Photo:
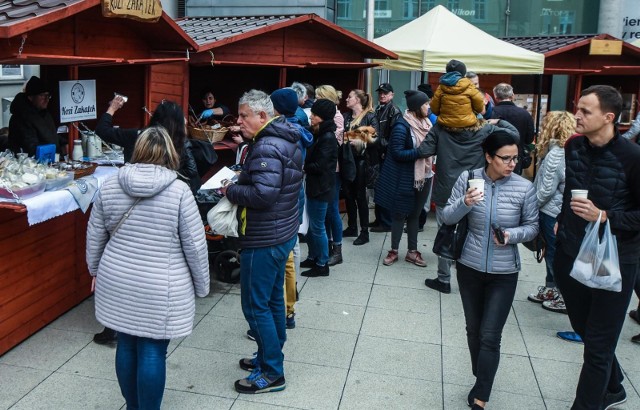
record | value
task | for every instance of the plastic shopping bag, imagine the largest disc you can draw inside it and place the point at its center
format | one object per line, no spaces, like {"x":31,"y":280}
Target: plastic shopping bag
{"x":304,"y":226}
{"x":222,"y":218}
{"x":597,"y":265}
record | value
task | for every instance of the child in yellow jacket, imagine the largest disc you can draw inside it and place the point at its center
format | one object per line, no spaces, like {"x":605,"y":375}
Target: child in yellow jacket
{"x":457,"y":101}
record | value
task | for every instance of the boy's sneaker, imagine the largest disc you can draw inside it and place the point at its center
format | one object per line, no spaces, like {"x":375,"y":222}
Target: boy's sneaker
{"x":249,"y":363}
{"x":555,"y":306}
{"x":291,"y":321}
{"x":251,"y":335}
{"x":544,"y":294}
{"x":572,"y":337}
{"x":612,"y":400}
{"x":257,"y":382}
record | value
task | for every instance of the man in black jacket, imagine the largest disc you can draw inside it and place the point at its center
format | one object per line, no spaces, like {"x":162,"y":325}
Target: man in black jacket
{"x":31,"y":124}
{"x":520,"y":118}
{"x":608,"y":166}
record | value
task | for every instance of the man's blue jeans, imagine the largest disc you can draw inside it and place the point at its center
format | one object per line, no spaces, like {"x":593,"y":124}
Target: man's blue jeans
{"x":317,"y":236}
{"x":141,"y":370}
{"x":262,"y":295}
{"x":333,"y":222}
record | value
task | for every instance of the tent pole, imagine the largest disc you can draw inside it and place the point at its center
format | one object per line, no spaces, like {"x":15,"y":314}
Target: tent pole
{"x":423,"y":75}
{"x":369,"y":34}
{"x":538,"y":112}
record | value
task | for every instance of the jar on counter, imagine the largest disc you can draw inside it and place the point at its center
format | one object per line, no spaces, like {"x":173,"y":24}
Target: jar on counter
{"x":77,"y":153}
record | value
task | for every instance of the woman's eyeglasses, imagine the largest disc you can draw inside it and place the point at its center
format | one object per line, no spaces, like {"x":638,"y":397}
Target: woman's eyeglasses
{"x":507,"y":159}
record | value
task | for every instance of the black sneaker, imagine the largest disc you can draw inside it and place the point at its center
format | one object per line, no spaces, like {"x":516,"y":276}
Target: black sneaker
{"x":381,"y":228}
{"x":106,"y":337}
{"x":612,"y":400}
{"x":291,"y":321}
{"x":308,"y":263}
{"x":251,"y":335}
{"x":362,"y":239}
{"x":257,"y":382}
{"x":350,"y":233}
{"x":249,"y":363}
{"x":438,"y":285}
{"x":316,"y":271}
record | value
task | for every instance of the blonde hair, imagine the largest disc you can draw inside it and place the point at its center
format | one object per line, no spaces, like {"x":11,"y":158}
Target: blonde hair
{"x":367,"y":107}
{"x":154,"y":146}
{"x":329,"y":93}
{"x":558,"y":125}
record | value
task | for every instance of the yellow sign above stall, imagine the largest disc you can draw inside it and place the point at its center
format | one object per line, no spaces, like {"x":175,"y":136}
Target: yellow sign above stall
{"x":606,"y":47}
{"x":148,"y":11}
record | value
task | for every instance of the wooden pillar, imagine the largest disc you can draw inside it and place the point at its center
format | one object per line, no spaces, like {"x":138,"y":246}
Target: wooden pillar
{"x":282,"y":80}
{"x":578,"y":90}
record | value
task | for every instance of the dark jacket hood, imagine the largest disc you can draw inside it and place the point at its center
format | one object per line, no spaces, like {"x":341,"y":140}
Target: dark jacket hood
{"x":450,"y":78}
{"x":280,"y":127}
{"x":20,"y":104}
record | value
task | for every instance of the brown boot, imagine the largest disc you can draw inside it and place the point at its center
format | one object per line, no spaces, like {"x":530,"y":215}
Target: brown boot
{"x":336,"y":255}
{"x":416,"y":258}
{"x":392,"y":256}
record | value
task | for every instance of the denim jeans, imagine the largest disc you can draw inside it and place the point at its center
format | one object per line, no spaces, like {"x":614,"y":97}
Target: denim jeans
{"x":486,"y":300}
{"x":444,"y":265}
{"x":262,"y":297}
{"x":317,"y":236}
{"x":142,"y":370}
{"x":333,"y":222}
{"x":547,"y":223}
{"x":597,"y":316}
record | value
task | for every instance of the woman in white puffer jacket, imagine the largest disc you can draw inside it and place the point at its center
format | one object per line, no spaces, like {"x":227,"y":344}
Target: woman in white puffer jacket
{"x":147,"y":253}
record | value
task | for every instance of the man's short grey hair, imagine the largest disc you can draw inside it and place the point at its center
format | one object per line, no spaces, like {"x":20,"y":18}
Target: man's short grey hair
{"x":300,"y":90}
{"x":258,"y":101}
{"x":471,"y":74}
{"x":503,"y":91}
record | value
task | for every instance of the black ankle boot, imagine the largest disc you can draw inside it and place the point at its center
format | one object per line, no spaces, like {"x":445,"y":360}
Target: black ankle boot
{"x":349,"y":232}
{"x":308,"y":263}
{"x":316,"y":271}
{"x":336,"y":255}
{"x":107,"y":336}
{"x":362,"y":238}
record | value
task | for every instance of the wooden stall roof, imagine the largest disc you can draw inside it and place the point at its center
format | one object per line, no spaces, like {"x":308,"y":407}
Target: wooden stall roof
{"x":569,"y":54}
{"x":20,"y":17}
{"x":214,"y":33}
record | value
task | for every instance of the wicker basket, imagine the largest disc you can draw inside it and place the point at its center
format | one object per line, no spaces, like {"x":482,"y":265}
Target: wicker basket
{"x":207,"y":134}
{"x":90,"y":169}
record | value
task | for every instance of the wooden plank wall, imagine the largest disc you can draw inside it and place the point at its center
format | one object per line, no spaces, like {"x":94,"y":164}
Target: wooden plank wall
{"x":168,"y":81}
{"x":43,"y":272}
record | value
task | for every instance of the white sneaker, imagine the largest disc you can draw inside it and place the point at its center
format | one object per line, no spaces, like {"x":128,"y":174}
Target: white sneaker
{"x":544,"y":294}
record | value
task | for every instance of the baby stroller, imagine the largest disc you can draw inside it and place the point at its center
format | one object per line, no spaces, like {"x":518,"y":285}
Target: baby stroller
{"x":224,"y":259}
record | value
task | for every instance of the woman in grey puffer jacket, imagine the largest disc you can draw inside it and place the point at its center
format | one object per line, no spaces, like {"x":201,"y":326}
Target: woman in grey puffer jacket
{"x":146,"y":250}
{"x":557,"y":128}
{"x":488,"y":269}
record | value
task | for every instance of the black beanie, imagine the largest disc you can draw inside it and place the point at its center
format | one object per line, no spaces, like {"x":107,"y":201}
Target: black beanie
{"x":35,"y":86}
{"x":455,"y":65}
{"x":415,"y":99}
{"x":426,"y":88}
{"x":325,"y":109}
{"x":285,"y":101}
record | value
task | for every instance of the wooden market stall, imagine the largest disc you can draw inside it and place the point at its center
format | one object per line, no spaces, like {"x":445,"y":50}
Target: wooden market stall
{"x":43,"y":271}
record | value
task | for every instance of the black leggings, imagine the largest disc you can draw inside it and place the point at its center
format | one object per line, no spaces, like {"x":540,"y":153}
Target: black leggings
{"x":355,"y":194}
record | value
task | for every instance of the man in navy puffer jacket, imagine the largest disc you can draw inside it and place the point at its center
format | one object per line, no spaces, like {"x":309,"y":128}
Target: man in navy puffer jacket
{"x":267,"y":197}
{"x":608,"y":166}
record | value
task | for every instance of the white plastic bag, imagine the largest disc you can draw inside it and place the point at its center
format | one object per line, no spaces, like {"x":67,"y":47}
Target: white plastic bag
{"x":597,"y":265}
{"x":304,"y":226}
{"x":222,"y":218}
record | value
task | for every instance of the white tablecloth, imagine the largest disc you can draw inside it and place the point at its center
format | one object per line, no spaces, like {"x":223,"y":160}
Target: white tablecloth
{"x":51,"y":204}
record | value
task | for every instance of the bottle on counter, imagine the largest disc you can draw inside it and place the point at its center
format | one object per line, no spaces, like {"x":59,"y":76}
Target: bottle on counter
{"x":77,"y":153}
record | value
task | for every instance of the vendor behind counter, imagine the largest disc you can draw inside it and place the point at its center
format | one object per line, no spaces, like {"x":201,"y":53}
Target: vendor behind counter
{"x":31,"y":123}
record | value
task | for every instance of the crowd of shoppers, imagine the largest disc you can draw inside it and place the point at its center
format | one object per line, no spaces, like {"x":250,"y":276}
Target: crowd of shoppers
{"x":293,"y":136}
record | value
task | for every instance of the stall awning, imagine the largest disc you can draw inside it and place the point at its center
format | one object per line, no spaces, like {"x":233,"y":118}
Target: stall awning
{"x":328,"y":64}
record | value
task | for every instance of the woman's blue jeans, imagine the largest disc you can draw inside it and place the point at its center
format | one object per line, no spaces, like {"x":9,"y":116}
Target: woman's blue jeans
{"x":141,"y":370}
{"x":546,"y":227}
{"x":317,"y":236}
{"x":262,"y":297}
{"x":333,"y":222}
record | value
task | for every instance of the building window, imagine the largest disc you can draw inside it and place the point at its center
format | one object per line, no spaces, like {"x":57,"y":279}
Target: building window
{"x":344,"y":9}
{"x":11,"y":72}
{"x":453,"y":5}
{"x":479,"y":9}
{"x":428,"y":5}
{"x":410,"y":9}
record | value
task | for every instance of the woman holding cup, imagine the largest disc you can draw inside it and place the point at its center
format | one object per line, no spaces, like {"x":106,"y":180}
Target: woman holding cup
{"x":501,"y":215}
{"x":557,"y":128}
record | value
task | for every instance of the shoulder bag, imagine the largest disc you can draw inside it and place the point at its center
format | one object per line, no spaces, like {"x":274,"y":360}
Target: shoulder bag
{"x":450,"y":239}
{"x":347,"y":162}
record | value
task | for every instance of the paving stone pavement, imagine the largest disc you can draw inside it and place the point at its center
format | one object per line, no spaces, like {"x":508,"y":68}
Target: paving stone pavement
{"x":367,"y":337}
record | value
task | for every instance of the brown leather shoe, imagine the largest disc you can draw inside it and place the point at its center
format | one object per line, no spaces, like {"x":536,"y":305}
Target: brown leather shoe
{"x":416,"y":258}
{"x":392,"y":256}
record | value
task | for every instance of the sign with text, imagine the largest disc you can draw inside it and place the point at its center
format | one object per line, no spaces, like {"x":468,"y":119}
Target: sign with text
{"x":631,"y":20}
{"x":77,"y":100}
{"x":148,"y":11}
{"x":606,"y":47}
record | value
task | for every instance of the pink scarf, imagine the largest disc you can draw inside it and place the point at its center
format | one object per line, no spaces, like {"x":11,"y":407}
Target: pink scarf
{"x":419,"y":129}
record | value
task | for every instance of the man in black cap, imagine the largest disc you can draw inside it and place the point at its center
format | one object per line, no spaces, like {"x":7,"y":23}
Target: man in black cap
{"x":387,"y":112}
{"x":31,"y":124}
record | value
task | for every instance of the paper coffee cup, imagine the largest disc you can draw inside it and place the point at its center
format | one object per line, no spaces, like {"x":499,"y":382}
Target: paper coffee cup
{"x":477,"y":183}
{"x":579,"y":193}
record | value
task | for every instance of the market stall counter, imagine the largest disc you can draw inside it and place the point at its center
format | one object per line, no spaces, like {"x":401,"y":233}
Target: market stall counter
{"x":43,"y":272}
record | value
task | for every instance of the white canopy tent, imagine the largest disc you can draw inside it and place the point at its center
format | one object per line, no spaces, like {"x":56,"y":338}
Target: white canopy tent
{"x":430,"y":41}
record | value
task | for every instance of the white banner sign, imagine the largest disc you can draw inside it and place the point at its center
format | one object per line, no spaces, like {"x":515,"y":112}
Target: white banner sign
{"x":630,"y":20}
{"x":77,"y":100}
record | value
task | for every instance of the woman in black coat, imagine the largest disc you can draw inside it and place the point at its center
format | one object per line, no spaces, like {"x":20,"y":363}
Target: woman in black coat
{"x":319,"y":167}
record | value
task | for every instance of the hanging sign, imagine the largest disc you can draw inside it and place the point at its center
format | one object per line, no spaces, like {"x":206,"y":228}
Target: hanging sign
{"x":606,"y":47}
{"x":148,"y":11}
{"x":77,"y":100}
